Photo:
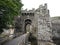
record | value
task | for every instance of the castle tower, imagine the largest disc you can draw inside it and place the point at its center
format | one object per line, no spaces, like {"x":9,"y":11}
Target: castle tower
{"x":44,"y":32}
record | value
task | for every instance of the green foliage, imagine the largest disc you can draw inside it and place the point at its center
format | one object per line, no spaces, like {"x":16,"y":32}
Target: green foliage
{"x":9,"y":9}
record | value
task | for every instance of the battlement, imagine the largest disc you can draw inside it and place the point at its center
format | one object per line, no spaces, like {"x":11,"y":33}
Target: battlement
{"x":41,"y":9}
{"x":43,"y":6}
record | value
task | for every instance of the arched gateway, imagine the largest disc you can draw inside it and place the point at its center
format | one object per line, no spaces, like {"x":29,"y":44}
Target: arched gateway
{"x":28,"y":25}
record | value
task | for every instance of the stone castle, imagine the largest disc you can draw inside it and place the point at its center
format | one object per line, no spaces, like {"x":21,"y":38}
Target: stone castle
{"x":38,"y":22}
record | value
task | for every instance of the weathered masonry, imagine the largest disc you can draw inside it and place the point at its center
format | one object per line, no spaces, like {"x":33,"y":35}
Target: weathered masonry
{"x":36,"y":21}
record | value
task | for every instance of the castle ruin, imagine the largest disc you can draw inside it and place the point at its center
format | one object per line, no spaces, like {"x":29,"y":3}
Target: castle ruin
{"x":38,"y":22}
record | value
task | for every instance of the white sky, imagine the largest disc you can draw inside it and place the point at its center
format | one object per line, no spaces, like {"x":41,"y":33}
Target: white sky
{"x":53,"y":5}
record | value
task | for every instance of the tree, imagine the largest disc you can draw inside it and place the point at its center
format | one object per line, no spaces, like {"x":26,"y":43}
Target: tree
{"x":9,"y":9}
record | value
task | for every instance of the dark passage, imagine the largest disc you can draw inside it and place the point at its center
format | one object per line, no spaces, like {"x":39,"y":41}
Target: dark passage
{"x":32,"y":39}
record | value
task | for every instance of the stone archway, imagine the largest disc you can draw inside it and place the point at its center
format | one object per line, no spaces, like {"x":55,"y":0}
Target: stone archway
{"x":28,"y":25}
{"x":28,"y":28}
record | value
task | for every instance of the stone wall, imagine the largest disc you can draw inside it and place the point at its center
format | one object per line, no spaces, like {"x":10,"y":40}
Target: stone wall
{"x":44,"y":31}
{"x":56,"y":29}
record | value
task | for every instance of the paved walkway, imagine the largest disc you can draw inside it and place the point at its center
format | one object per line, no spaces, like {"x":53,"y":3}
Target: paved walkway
{"x":18,"y":41}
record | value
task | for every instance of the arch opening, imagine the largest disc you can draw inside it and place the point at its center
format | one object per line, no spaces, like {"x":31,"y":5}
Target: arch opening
{"x":28,"y":28}
{"x":27,"y":25}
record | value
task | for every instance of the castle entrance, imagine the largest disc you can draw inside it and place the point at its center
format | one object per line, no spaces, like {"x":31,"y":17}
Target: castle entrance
{"x":28,"y":26}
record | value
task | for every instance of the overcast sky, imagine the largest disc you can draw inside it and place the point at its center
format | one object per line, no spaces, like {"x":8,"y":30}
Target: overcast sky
{"x":53,"y":5}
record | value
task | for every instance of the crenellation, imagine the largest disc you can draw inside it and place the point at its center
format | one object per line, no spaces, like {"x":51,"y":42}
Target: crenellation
{"x":45,"y":5}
